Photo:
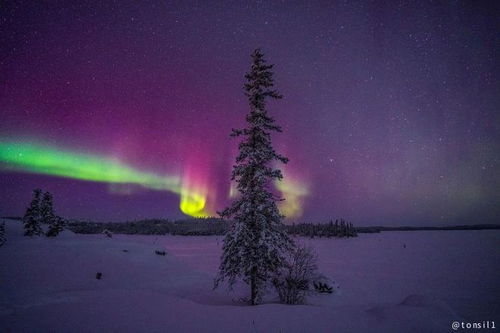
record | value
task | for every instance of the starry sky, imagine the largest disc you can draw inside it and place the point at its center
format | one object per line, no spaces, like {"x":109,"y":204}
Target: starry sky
{"x":123,"y":109}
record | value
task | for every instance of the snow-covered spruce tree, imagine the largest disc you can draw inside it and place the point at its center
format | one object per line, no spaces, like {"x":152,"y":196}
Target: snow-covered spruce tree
{"x":31,"y":218}
{"x":47,"y":209}
{"x":256,"y":244}
{"x":3,"y":237}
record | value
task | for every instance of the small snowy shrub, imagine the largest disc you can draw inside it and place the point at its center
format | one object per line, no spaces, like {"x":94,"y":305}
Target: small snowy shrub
{"x":108,"y":233}
{"x":98,"y":275}
{"x":293,"y":282}
{"x":160,"y":253}
{"x":321,"y":287}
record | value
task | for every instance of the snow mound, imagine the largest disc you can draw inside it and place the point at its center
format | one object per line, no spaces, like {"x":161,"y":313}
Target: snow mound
{"x":425,"y":301}
{"x":416,"y":313}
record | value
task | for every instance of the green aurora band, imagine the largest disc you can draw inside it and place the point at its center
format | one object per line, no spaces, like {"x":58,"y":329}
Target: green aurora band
{"x":46,"y":160}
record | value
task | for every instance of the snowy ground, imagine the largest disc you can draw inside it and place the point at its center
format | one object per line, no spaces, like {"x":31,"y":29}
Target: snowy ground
{"x":49,"y":285}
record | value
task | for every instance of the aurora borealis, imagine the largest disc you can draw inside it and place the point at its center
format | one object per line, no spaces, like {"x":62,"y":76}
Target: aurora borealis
{"x":123,"y":110}
{"x":32,"y":158}
{"x":54,"y":162}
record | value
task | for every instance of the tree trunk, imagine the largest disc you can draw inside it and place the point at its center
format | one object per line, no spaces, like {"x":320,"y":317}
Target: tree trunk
{"x":253,"y":286}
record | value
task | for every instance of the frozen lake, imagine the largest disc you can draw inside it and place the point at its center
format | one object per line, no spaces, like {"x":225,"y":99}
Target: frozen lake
{"x":389,"y":282}
{"x":459,"y":267}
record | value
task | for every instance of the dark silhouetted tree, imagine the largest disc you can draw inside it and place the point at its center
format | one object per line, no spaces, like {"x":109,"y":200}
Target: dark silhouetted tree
{"x":47,"y":215}
{"x":31,"y":218}
{"x":56,"y":226}
{"x":256,"y":245}
{"x":3,"y":237}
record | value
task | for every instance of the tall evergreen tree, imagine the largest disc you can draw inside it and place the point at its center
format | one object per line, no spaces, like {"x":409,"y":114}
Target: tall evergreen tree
{"x":47,"y":209}
{"x":256,"y":243}
{"x":31,"y":218}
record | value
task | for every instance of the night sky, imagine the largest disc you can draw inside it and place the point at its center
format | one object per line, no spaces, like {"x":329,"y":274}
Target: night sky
{"x":123,"y":109}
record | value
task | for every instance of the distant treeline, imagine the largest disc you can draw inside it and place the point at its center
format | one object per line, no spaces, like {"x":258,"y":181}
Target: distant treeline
{"x":205,"y":226}
{"x":217,"y":226}
{"x":337,"y":229}
{"x":455,"y":227}
{"x":186,"y":227}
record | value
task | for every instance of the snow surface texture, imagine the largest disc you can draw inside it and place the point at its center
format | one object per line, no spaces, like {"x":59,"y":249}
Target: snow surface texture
{"x":50,"y":285}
